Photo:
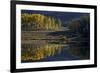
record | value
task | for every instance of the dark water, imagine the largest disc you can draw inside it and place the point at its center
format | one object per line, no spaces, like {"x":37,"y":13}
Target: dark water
{"x":53,"y":50}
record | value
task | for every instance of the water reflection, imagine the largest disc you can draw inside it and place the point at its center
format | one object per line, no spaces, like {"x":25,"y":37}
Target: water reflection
{"x":47,"y":50}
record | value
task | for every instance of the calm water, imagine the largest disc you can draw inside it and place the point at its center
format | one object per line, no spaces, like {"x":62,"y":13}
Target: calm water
{"x":53,"y":50}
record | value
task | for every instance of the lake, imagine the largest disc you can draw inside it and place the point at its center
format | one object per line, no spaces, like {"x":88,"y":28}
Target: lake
{"x":53,"y":50}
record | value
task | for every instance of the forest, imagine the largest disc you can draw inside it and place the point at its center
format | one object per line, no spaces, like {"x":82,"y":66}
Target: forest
{"x":49,"y":38}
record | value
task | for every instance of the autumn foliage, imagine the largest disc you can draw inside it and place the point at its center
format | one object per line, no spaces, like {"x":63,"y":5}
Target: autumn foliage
{"x":39,"y":22}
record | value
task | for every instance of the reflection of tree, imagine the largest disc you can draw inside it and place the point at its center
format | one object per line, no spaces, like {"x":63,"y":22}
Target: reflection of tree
{"x":39,"y":53}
